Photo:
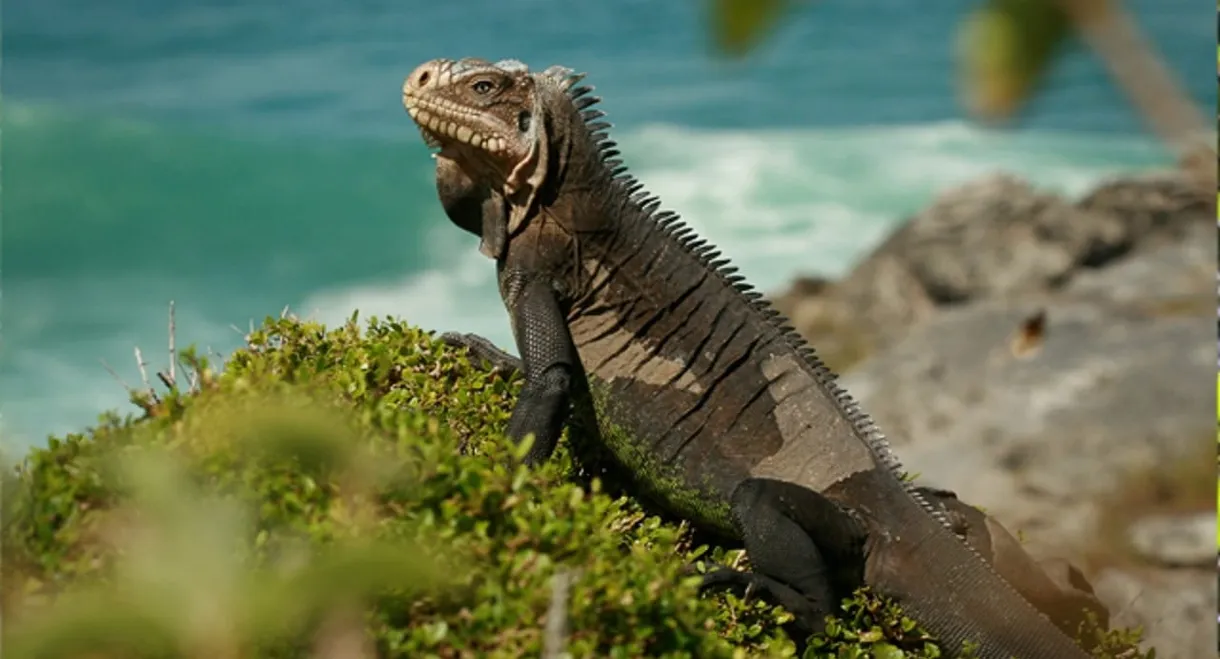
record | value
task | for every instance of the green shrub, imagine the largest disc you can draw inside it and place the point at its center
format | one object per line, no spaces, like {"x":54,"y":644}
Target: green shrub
{"x":328,"y":483}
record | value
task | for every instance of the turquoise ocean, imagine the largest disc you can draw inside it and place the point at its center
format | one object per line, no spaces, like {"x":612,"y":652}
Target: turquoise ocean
{"x":240,"y":157}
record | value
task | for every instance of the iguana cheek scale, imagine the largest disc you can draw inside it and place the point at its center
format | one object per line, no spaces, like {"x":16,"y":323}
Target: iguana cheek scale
{"x":717,"y":408}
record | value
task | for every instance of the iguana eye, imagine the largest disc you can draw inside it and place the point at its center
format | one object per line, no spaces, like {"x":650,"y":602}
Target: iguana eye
{"x":523,"y":122}
{"x":482,"y":86}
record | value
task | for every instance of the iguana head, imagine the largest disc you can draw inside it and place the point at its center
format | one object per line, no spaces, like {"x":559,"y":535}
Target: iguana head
{"x":496,"y":121}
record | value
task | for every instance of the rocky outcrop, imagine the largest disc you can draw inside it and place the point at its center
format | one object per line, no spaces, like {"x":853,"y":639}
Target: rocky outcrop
{"x":1047,"y":359}
{"x":1182,"y":540}
{"x":997,"y":238}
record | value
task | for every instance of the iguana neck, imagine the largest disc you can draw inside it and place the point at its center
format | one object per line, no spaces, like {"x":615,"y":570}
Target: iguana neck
{"x":582,"y":192}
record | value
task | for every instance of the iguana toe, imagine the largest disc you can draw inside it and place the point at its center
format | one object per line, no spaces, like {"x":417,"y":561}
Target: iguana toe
{"x":483,"y":350}
{"x":809,"y":617}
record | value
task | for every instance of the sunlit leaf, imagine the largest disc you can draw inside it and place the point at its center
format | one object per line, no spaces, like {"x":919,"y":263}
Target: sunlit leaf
{"x":1005,"y":48}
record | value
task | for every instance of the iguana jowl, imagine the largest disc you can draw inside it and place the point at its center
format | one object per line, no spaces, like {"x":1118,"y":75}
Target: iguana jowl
{"x":700,"y":390}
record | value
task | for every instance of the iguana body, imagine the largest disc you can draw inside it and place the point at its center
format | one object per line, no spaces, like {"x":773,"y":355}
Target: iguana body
{"x":718,"y":410}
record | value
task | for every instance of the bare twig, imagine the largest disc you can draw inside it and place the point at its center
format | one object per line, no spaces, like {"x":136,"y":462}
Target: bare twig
{"x":115,"y":375}
{"x":172,"y":354}
{"x":217,"y":364}
{"x":165,"y":380}
{"x":141,"y":364}
{"x":555,"y":634}
{"x":145,"y":403}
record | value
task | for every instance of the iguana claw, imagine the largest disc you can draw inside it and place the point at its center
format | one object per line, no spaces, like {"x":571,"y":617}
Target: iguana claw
{"x":809,"y":618}
{"x":483,"y":350}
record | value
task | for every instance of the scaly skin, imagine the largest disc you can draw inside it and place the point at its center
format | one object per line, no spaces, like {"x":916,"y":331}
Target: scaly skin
{"x":718,"y":410}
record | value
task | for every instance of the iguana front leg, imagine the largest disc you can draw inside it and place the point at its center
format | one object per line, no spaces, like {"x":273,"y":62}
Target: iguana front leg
{"x":548,"y":361}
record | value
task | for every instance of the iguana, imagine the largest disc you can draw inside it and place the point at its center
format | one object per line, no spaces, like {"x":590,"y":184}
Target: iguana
{"x":718,"y":410}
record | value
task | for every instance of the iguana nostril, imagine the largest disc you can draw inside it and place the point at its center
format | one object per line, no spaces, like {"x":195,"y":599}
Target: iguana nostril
{"x":423,"y":78}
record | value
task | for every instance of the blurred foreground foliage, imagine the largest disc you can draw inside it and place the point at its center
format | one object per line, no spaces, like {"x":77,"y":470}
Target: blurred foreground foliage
{"x":347,"y":493}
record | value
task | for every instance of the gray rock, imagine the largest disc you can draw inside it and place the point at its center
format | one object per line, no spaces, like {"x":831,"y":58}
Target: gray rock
{"x":1152,"y":209}
{"x":1176,"y":540}
{"x":1161,"y":279}
{"x":1034,"y":440}
{"x":996,"y":239}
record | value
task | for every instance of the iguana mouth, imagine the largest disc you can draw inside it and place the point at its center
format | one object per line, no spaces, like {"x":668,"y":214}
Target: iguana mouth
{"x":439,"y":132}
{"x":444,"y":126}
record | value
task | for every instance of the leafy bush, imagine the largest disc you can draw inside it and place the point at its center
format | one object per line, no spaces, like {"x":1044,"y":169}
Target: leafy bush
{"x":348,"y":493}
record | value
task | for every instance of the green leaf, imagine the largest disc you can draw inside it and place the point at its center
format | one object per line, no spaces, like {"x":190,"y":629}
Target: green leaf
{"x":1005,"y":48}
{"x":738,"y":25}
